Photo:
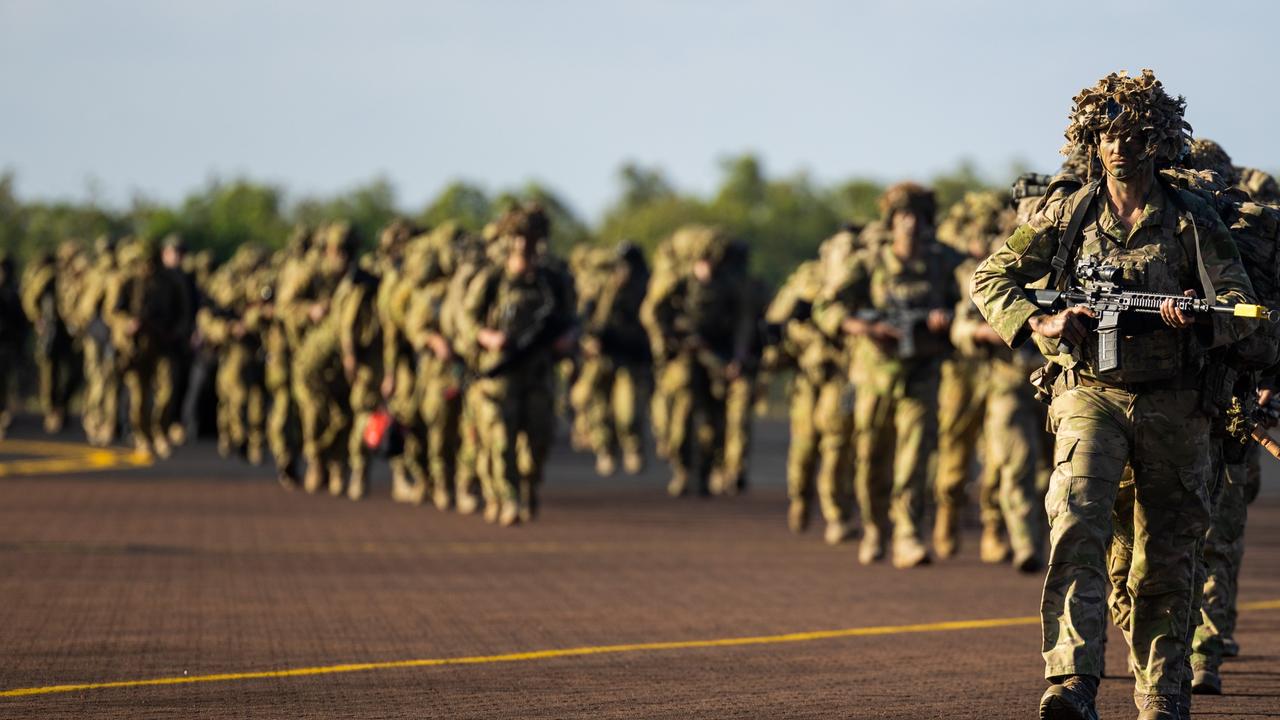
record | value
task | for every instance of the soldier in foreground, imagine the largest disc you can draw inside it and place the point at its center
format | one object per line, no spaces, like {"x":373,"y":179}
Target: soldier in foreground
{"x":13,"y":326}
{"x":1145,"y":412}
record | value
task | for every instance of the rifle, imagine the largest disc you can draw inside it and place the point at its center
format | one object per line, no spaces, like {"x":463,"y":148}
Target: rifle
{"x":538,"y":332}
{"x":773,"y":332}
{"x":910,"y":323}
{"x":1247,"y":420}
{"x":1100,"y":293}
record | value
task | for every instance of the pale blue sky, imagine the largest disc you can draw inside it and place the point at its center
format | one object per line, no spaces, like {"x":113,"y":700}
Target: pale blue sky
{"x":158,"y":96}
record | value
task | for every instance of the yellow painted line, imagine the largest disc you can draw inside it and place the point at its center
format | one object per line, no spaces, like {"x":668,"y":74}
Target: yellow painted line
{"x":554,"y":654}
{"x":534,"y":655}
{"x":62,"y":458}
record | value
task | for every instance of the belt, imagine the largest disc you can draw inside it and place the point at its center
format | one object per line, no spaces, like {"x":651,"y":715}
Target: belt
{"x":1175,"y":383}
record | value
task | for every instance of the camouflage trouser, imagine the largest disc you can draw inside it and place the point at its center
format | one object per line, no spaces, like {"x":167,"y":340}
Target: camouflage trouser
{"x":517,"y":420}
{"x":101,"y":391}
{"x":8,"y":365}
{"x":242,"y":399}
{"x":441,"y":412}
{"x":695,"y":424}
{"x":893,"y":439}
{"x":283,"y":431}
{"x":323,"y":397}
{"x":614,"y":413}
{"x":472,"y":466}
{"x":660,"y":414}
{"x":1165,"y":439}
{"x":54,"y":373}
{"x":364,"y":399}
{"x":1223,"y":553}
{"x":962,"y":398}
{"x":147,"y":394}
{"x":822,"y":441}
{"x":739,"y":404}
{"x":410,"y":459}
{"x":1012,"y":433}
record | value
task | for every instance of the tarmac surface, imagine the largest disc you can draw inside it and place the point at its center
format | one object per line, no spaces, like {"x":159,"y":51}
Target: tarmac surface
{"x":198,"y":588}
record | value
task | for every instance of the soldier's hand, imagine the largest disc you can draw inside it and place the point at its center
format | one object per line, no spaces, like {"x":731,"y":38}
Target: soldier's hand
{"x":1264,"y":396}
{"x":939,"y":320}
{"x":349,"y":366}
{"x":388,"y":385}
{"x":491,"y":339}
{"x":1066,"y":325}
{"x":317,"y":311}
{"x":1175,"y":318}
{"x":988,"y":335}
{"x":440,"y":347}
{"x":591,"y":346}
{"x":132,"y":326}
{"x":733,"y":370}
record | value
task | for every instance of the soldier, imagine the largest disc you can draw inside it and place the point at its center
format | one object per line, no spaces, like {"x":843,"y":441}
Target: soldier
{"x":702,"y":340}
{"x":897,"y":301}
{"x":102,"y":376}
{"x":13,"y":326}
{"x":1006,"y":412}
{"x":672,"y":262}
{"x":174,"y":255}
{"x":744,"y":389}
{"x":148,"y":306}
{"x":1144,"y":413}
{"x":232,"y":323}
{"x":821,"y":398}
{"x":519,"y":316}
{"x":52,"y":340}
{"x":280,"y":342}
{"x":615,"y":365}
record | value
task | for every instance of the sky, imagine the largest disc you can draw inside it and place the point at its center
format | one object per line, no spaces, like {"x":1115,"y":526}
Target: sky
{"x":113,"y":98}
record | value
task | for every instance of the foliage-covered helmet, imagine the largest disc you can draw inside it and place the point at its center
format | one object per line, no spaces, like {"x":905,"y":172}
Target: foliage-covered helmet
{"x":528,"y":221}
{"x":908,"y":197}
{"x":341,"y":236}
{"x":1133,"y":106}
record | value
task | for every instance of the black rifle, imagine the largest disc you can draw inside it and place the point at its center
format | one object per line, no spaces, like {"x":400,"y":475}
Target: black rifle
{"x":1100,"y":293}
{"x":539,"y":331}
{"x":914,"y":337}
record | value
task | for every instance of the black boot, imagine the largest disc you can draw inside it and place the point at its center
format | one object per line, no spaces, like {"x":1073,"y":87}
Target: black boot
{"x":1071,"y":698}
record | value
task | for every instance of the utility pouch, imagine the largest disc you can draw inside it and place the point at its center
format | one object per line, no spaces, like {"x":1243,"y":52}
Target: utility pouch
{"x":1216,"y":385}
{"x":1042,"y":379}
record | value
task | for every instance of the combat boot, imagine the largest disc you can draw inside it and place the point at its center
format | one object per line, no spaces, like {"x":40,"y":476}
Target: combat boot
{"x":161,"y":446}
{"x":255,"y":455}
{"x":336,"y":485}
{"x":1072,"y":699}
{"x":605,"y":464}
{"x":908,"y":553}
{"x":491,"y":510}
{"x":1206,"y":682}
{"x":359,"y":483}
{"x":53,"y":422}
{"x":467,"y":503}
{"x":401,"y":491}
{"x":287,"y":475}
{"x":1230,"y":648}
{"x":798,"y":516}
{"x":679,"y":483}
{"x":633,"y":463}
{"x":177,"y":435}
{"x":872,"y":548}
{"x":1029,"y":563}
{"x":837,"y":532}
{"x":1157,"y":707}
{"x":946,"y":538}
{"x":440,"y":497}
{"x":509,"y":514}
{"x":142,"y":448}
{"x":313,"y":480}
{"x":224,"y":447}
{"x":993,"y":548}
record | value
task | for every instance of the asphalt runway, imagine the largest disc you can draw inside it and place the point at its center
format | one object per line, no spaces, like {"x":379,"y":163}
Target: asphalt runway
{"x":198,"y":588}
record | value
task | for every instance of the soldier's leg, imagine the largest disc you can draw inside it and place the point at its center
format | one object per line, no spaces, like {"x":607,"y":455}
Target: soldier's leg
{"x":1252,"y":484}
{"x":1091,"y":450}
{"x":1120,"y":555}
{"x":46,"y":371}
{"x":162,"y":393}
{"x":915,"y":432}
{"x":626,"y":402}
{"x":91,"y":401}
{"x":232,"y":399}
{"x":1221,"y":550}
{"x":363,"y":401}
{"x":659,"y":414}
{"x":680,"y":431}
{"x":959,"y":422}
{"x":256,"y":420}
{"x":138,"y":381}
{"x":282,"y":434}
{"x":537,"y":430}
{"x":873,"y":470}
{"x":499,"y":420}
{"x":739,"y":406}
{"x":7,"y":366}
{"x":802,"y":452}
{"x":834,"y":422}
{"x":1172,"y":467}
{"x":1012,"y":442}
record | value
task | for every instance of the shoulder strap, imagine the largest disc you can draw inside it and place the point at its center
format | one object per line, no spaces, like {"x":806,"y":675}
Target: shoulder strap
{"x":1070,"y":239}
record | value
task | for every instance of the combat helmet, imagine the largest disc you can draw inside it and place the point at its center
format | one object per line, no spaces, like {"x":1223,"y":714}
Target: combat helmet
{"x":1135,"y":106}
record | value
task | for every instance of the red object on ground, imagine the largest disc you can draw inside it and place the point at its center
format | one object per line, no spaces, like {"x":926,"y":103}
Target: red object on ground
{"x":376,"y":429}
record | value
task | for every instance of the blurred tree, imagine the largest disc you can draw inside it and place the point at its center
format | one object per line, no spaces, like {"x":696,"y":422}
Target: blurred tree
{"x":466,"y":204}
{"x":367,"y":207}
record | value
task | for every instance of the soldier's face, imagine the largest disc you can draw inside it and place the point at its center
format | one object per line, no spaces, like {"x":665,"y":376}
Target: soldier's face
{"x":1123,"y":155}
{"x":702,"y":271}
{"x":908,"y":227}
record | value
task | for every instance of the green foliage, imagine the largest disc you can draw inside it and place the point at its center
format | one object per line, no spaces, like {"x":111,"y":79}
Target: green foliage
{"x":782,"y":219}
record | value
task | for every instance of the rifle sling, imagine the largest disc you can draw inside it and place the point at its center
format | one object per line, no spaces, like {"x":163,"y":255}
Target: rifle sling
{"x":1070,"y":239}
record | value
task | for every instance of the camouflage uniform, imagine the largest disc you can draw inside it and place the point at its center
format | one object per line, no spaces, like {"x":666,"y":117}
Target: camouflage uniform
{"x":743,"y":390}
{"x":102,"y":376}
{"x":894,"y":415}
{"x":52,"y":340}
{"x":1146,"y":414}
{"x":821,"y":400}
{"x":671,"y":263}
{"x":12,"y":332}
{"x":281,"y":339}
{"x":147,"y":308}
{"x":516,"y":413}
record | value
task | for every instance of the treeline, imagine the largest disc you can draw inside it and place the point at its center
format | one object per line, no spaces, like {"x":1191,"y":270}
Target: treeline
{"x":782,"y":218}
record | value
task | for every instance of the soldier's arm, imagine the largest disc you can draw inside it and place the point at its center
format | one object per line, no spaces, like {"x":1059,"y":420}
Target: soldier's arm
{"x":843,"y":297}
{"x":998,"y":283}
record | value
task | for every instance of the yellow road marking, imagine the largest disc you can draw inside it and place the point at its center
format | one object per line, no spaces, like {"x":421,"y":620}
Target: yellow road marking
{"x":61,"y":458}
{"x":561,"y":653}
